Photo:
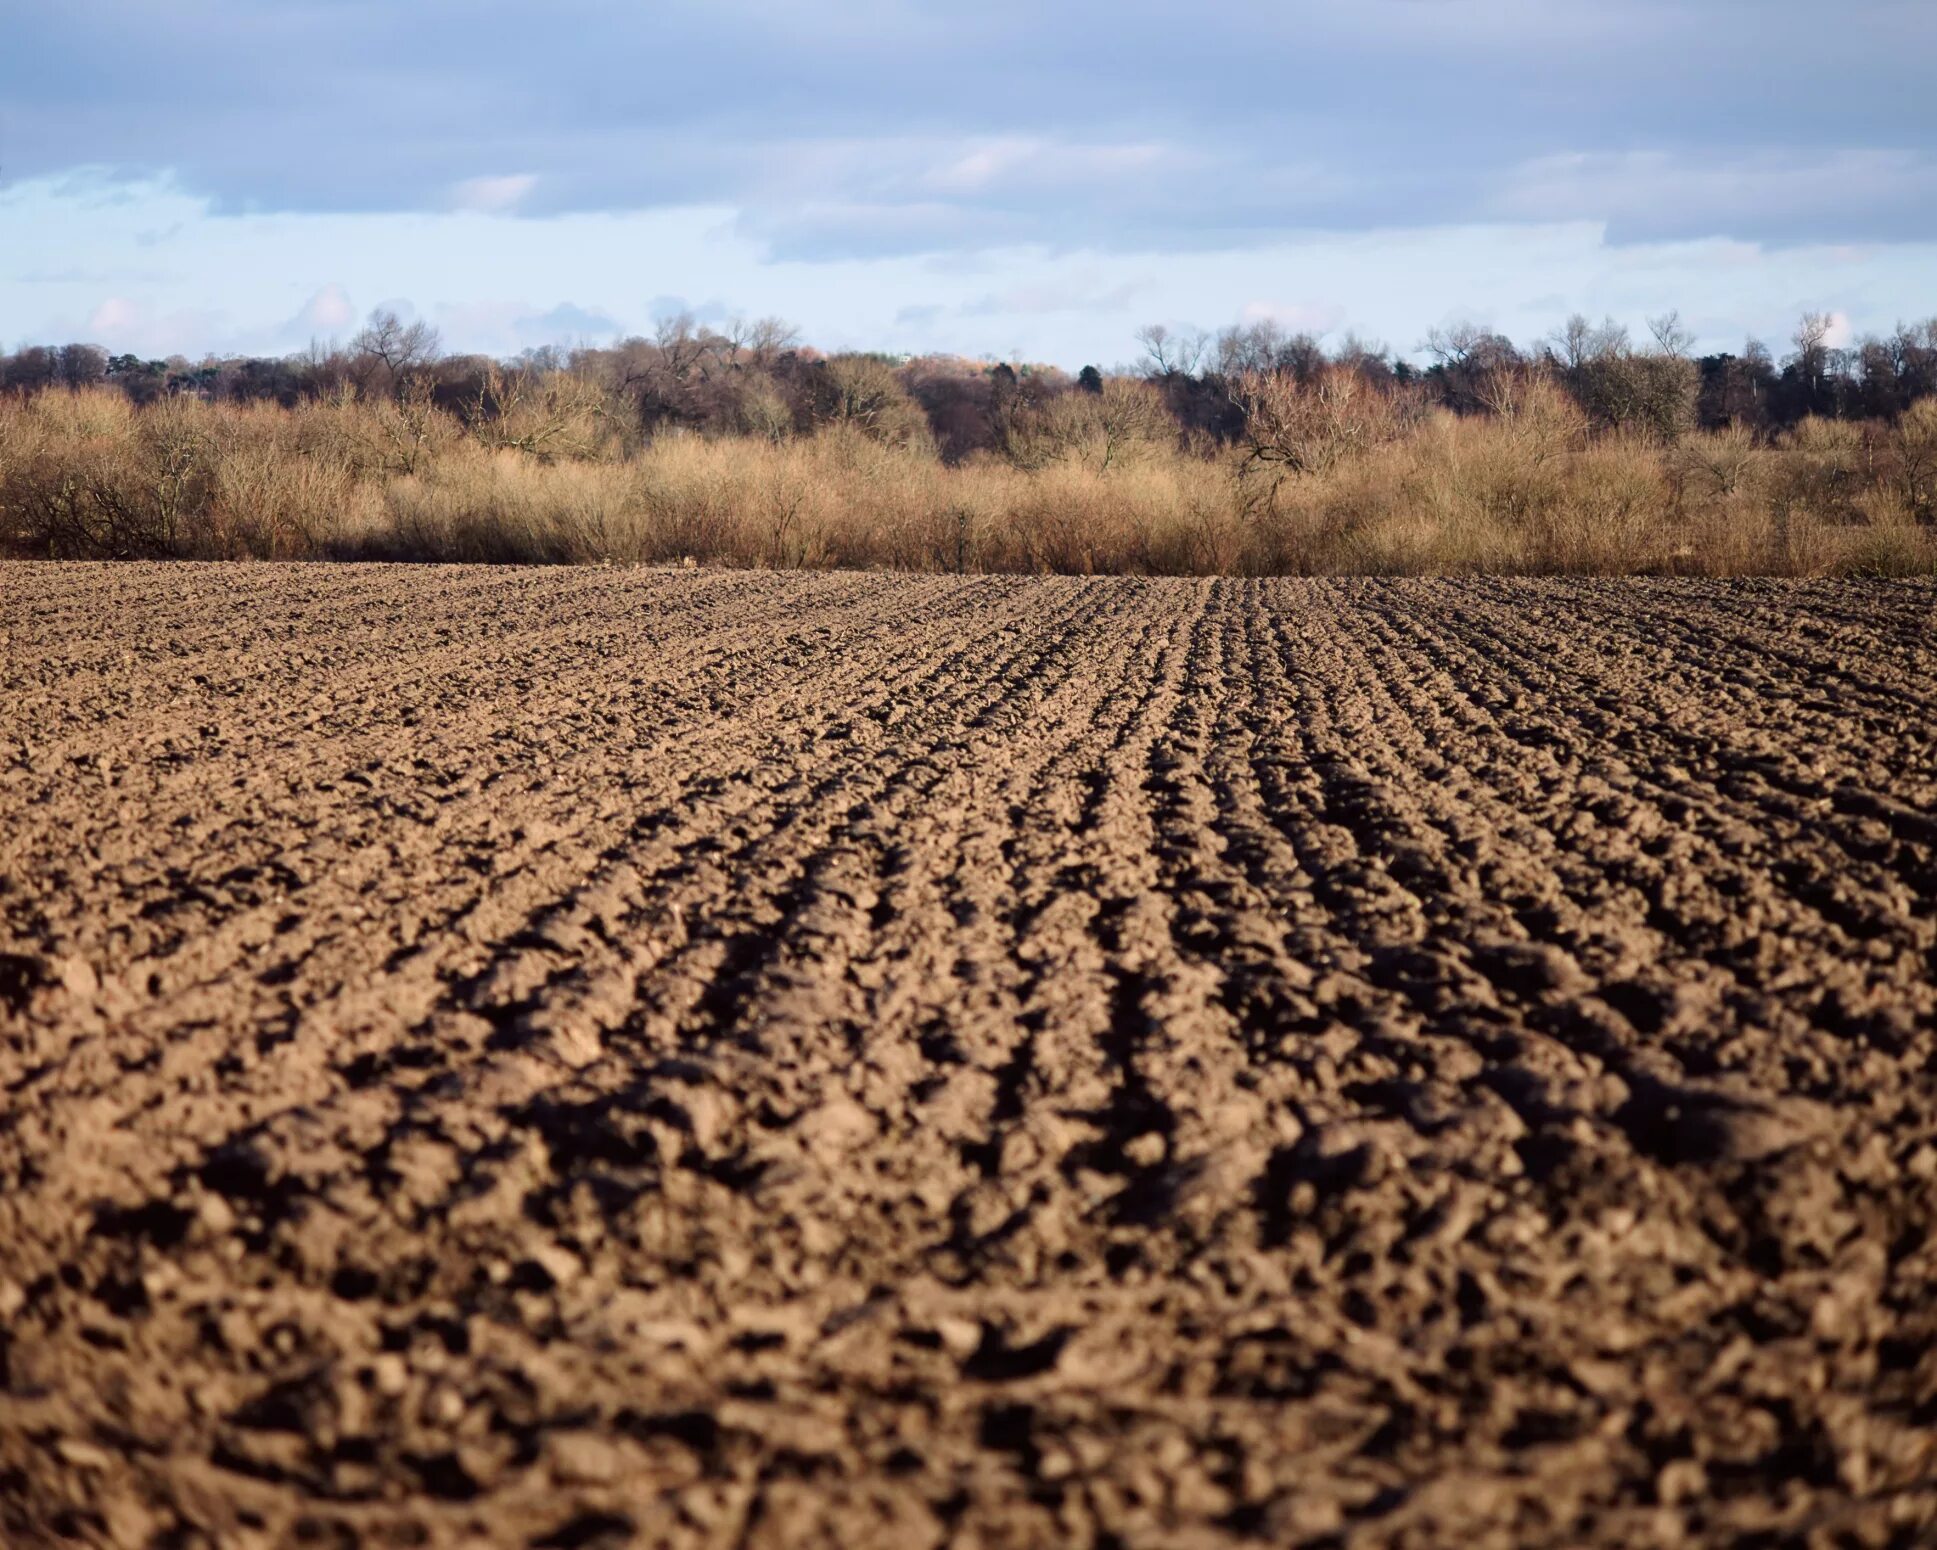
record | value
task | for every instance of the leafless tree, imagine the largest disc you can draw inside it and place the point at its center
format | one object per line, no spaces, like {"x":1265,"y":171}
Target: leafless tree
{"x":1672,"y":337}
{"x":1265,"y":345}
{"x":1812,"y":346}
{"x":1172,"y":352}
{"x":863,"y":391}
{"x":1122,"y":420}
{"x":1468,"y":356}
{"x":82,"y":365}
{"x":763,"y":340}
{"x":546,"y":413}
{"x":682,"y":343}
{"x":1368,"y":358}
{"x":1293,"y":427}
{"x":1577,"y":342}
{"x":1469,"y":344}
{"x":398,"y":346}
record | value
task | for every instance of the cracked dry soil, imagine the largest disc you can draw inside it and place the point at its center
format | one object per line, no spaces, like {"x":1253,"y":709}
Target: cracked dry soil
{"x":593,"y":1058}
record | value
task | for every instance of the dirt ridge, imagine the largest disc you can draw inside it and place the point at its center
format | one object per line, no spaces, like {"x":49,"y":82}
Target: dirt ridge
{"x":615,"y":1057}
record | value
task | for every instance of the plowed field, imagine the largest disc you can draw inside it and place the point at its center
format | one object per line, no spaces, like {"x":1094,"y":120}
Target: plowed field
{"x":592,"y":1058}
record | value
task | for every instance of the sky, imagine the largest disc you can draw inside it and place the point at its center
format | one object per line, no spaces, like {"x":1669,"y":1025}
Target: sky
{"x":1007,"y":178}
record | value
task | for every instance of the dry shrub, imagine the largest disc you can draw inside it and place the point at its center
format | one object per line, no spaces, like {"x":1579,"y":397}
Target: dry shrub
{"x":1615,"y":513}
{"x":269,"y":505}
{"x":86,"y":474}
{"x":1820,"y":468}
{"x":747,"y":503}
{"x":1127,"y":422}
{"x":864,"y":394}
{"x":1721,"y":465}
{"x":1359,"y":481}
{"x":760,"y":409}
{"x":1307,"y":426}
{"x":545,"y":414}
{"x":375,"y":437}
{"x":1892,"y":542}
{"x":1911,"y":447}
{"x":1074,"y":520}
{"x":503,"y":507}
{"x":1523,"y":490}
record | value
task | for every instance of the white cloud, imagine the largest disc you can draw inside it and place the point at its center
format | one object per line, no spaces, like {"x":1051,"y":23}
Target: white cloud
{"x":493,"y":195}
{"x":114,"y":318}
{"x":325,"y":314}
{"x":135,"y":324}
{"x":1014,"y":164}
{"x":1082,"y":291}
{"x":1392,"y":285}
{"x":1299,"y":317}
{"x":501,"y":327}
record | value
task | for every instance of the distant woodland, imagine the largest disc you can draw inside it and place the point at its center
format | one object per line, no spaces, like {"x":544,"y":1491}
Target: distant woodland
{"x":1254,"y":450}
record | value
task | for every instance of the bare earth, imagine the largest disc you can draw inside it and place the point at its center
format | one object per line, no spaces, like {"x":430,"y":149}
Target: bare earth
{"x":593,"y":1058}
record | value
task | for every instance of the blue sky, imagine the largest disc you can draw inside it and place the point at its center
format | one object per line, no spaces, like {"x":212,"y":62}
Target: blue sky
{"x":1007,"y":178}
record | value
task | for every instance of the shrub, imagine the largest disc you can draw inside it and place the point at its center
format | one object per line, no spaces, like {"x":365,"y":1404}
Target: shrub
{"x":1336,"y":474}
{"x":1120,"y":422}
{"x":863,"y":393}
{"x":1306,"y":425}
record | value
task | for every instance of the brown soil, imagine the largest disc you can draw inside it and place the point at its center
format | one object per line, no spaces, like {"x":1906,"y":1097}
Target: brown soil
{"x":595,"y":1058}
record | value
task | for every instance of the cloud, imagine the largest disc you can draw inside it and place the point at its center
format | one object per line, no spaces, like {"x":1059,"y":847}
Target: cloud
{"x":571,"y":323}
{"x":74,"y":274}
{"x":1082,"y":292}
{"x":324,"y":315}
{"x":1010,"y":165}
{"x":1645,"y":196}
{"x":493,"y":196}
{"x":114,"y":318}
{"x":916,"y":126}
{"x":132,"y":323}
{"x":665,"y":308}
{"x":506,"y":327}
{"x":1299,"y":317}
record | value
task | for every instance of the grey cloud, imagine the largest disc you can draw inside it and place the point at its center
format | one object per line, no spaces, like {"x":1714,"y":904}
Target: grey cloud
{"x":891,"y":126}
{"x":1079,"y":294}
{"x":505,"y":327}
{"x":568,"y":321}
{"x":1785,"y":196}
{"x":663,"y":309}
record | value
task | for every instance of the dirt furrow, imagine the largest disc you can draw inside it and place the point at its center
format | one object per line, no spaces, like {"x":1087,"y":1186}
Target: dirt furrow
{"x":599,"y":1058}
{"x":543,"y":853}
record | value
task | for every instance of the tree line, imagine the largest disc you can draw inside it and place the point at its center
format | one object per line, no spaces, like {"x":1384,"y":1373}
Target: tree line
{"x":759,"y":379}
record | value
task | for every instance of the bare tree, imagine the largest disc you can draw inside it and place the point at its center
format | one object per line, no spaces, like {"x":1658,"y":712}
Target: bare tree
{"x":82,"y":365}
{"x":397,"y":344}
{"x":1671,"y":335}
{"x":763,"y":340}
{"x":682,"y":343}
{"x":1367,"y":357}
{"x":1812,"y":346}
{"x":1577,"y":342}
{"x":1293,"y":428}
{"x":863,"y":391}
{"x":1466,"y":357}
{"x":1455,"y":344}
{"x":1123,"y":419}
{"x":1266,"y":346}
{"x":1171,"y":352}
{"x":546,"y":413}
